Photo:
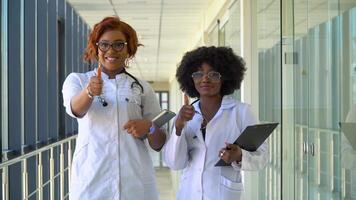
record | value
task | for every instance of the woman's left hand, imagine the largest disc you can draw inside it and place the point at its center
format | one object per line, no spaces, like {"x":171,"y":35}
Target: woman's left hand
{"x":138,"y":127}
{"x":231,"y":153}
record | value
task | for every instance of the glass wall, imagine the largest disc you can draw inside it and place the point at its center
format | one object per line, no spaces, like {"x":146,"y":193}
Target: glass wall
{"x":347,"y":87}
{"x":324,"y":93}
{"x":269,"y":68}
{"x":308,"y":63}
{"x":228,"y":34}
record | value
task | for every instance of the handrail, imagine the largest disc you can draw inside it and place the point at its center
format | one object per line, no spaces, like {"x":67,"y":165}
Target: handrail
{"x":40,"y":184}
{"x":36,"y":151}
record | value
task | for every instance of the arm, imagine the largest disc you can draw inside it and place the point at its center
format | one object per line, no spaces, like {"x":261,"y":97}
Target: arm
{"x":157,"y":139}
{"x":81,"y":103}
{"x":252,"y":160}
{"x":245,"y":160}
{"x":140,"y":128}
{"x":176,"y":149}
{"x":72,"y":87}
{"x":255,"y":160}
{"x":175,"y":152}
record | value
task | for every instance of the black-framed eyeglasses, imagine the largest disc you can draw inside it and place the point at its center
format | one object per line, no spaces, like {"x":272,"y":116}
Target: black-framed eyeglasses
{"x":105,"y":46}
{"x":213,"y":76}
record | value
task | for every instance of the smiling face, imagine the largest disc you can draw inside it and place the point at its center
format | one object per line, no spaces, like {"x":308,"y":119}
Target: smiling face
{"x":207,"y":87}
{"x":112,"y":60}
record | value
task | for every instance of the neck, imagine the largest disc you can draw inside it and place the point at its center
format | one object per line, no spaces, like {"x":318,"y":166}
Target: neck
{"x":113,"y":73}
{"x":209,"y":106}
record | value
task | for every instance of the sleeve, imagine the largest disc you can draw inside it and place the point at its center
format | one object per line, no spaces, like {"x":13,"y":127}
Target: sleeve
{"x":71,"y":87}
{"x":150,"y":103}
{"x":175,"y":151}
{"x":252,"y":160}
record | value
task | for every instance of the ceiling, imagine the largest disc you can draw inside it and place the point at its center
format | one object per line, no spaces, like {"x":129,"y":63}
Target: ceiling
{"x":164,"y":27}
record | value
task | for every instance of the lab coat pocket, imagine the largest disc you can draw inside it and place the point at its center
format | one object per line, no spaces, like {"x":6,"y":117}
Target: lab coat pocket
{"x":133,"y":106}
{"x":230,"y":189}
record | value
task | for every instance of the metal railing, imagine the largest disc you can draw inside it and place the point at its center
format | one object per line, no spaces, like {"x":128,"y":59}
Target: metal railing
{"x":23,"y":159}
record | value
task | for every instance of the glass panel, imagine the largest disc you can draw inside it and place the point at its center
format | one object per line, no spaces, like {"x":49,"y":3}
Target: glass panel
{"x":213,"y":37}
{"x":269,"y":66}
{"x":233,"y":29}
{"x":232,"y":34}
{"x":164,"y":105}
{"x":324,"y":95}
{"x":323,"y":60}
{"x":348,"y":103}
{"x":165,"y":96}
{"x":222,"y":36}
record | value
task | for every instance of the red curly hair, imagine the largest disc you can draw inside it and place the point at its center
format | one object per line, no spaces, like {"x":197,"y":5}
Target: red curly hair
{"x":108,"y":24}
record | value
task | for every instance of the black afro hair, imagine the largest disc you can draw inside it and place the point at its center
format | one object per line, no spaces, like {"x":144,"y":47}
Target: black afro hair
{"x":221,"y":59}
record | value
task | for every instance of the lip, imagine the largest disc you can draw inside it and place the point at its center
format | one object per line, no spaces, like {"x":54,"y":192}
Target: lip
{"x":111,"y":58}
{"x":205,"y":86}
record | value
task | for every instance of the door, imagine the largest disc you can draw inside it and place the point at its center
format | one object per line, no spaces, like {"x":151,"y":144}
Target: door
{"x":323,"y":95}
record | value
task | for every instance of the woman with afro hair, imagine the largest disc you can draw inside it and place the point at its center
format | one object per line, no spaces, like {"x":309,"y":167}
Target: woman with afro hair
{"x":204,"y":131}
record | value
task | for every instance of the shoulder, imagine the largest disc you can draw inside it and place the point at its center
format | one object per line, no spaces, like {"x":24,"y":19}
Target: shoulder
{"x":230,"y":102}
{"x":242,"y":106}
{"x":147,"y":88}
{"x":246,"y":114}
{"x":80,"y":76}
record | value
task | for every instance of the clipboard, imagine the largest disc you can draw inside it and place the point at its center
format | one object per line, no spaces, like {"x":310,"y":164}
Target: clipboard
{"x":252,"y":138}
{"x":163,"y":117}
{"x":349,"y":130}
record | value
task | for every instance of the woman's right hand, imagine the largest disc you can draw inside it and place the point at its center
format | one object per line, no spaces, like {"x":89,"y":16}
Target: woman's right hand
{"x":186,"y":113}
{"x":95,"y":86}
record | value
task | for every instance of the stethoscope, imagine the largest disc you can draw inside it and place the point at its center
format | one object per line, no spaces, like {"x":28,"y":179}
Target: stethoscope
{"x":135,"y":86}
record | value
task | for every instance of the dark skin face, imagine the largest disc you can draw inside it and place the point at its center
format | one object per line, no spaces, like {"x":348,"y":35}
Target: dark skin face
{"x":205,"y":86}
{"x":113,"y":61}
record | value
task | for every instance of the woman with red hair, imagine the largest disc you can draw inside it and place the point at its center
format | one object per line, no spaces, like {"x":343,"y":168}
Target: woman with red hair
{"x":114,"y":111}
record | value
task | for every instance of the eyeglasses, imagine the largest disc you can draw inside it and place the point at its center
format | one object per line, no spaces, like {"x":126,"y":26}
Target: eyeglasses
{"x":105,"y":46}
{"x":213,"y":76}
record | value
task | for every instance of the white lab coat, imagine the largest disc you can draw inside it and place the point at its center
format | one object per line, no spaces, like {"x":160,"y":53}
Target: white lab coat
{"x":200,"y":178}
{"x":108,"y":163}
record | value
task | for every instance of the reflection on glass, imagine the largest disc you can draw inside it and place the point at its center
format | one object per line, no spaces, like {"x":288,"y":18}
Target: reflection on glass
{"x":324,"y":85}
{"x":269,"y":68}
{"x":348,"y":85}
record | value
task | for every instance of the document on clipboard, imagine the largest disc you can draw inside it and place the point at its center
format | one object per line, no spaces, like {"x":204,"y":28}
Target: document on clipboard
{"x":252,"y":138}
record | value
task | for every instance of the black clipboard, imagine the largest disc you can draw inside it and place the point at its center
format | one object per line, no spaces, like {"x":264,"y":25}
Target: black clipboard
{"x":349,"y":130}
{"x":163,"y":117}
{"x":252,"y":138}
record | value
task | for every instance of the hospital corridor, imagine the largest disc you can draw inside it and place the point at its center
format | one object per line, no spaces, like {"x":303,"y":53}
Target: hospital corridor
{"x":178,"y":99}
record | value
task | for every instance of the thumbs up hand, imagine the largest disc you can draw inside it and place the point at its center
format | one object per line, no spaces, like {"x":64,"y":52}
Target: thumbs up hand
{"x":186,"y":113}
{"x":95,"y":85}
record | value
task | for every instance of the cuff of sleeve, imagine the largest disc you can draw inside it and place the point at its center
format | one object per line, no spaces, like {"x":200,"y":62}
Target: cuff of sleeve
{"x":236,"y":165}
{"x":152,"y":129}
{"x":69,"y":110}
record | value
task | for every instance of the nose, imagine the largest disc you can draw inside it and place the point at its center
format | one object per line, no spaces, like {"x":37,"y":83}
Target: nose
{"x":205,"y":78}
{"x":111,"y":49}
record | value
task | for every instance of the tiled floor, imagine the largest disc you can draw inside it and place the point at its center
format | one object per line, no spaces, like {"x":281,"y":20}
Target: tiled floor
{"x":164,"y":184}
